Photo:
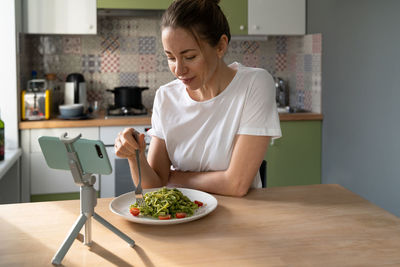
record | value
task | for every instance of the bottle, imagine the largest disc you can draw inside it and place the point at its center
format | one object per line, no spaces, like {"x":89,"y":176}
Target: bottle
{"x":1,"y":139}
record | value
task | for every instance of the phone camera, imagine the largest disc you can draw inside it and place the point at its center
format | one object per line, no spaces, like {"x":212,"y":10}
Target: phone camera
{"x":99,"y":151}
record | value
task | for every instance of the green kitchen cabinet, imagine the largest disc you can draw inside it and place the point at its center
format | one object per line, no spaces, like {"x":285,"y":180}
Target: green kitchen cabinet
{"x":134,"y":4}
{"x":236,"y":14}
{"x":295,"y":158}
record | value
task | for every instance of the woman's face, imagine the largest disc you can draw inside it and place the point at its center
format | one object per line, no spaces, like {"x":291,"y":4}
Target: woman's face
{"x":195,"y":67}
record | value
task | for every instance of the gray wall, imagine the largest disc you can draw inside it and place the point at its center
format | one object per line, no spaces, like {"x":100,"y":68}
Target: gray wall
{"x":360,"y":96}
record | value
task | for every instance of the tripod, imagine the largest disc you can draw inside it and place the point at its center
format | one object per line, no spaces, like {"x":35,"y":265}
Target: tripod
{"x":88,"y":199}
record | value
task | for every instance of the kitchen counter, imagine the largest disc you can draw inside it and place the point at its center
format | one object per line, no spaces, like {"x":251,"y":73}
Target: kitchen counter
{"x":11,"y":157}
{"x":95,"y":122}
{"x":316,"y":225}
{"x":139,"y":120}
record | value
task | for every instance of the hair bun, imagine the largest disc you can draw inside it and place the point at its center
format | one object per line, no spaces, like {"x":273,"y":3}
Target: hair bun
{"x":204,"y":19}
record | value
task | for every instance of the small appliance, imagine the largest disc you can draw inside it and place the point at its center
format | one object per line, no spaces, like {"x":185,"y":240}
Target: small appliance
{"x":36,"y":101}
{"x":75,"y":90}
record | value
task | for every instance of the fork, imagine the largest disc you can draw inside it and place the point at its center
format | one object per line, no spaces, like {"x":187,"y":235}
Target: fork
{"x":138,"y":189}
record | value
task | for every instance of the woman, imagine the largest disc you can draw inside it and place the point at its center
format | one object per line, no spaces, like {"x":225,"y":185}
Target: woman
{"x":212,"y":125}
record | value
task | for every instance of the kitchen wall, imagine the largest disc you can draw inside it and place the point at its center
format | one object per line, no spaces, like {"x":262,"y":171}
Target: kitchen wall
{"x":361,"y":78}
{"x":127,"y":51}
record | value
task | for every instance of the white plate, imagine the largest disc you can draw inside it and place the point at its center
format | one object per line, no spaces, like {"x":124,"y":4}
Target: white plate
{"x":120,"y":206}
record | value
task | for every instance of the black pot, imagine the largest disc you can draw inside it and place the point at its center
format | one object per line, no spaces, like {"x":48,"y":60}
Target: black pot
{"x":128,"y":96}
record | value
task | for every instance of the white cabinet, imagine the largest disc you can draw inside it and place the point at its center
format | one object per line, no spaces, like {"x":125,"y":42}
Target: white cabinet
{"x":35,"y":172}
{"x":49,"y":181}
{"x":277,"y":17}
{"x":59,"y":16}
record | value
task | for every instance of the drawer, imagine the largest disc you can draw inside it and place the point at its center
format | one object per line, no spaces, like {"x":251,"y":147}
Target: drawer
{"x":87,"y":132}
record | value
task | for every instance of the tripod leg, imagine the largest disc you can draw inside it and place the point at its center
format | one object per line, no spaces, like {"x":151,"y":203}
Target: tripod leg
{"x":69,"y":240}
{"x":113,"y":229}
{"x":87,"y":240}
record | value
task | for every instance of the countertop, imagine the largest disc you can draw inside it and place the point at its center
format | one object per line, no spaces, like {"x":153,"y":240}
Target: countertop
{"x":139,"y":120}
{"x":315,"y":225}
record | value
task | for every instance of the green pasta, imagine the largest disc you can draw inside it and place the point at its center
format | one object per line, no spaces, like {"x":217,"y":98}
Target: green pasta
{"x":166,"y":201}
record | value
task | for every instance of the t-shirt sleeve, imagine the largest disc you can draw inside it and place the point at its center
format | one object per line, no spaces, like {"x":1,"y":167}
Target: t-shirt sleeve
{"x":260,"y":115}
{"x":156,"y":123}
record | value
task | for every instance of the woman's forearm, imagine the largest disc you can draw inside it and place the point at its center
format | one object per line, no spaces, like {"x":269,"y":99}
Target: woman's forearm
{"x":150,"y":178}
{"x":217,"y":182}
{"x":237,"y":179}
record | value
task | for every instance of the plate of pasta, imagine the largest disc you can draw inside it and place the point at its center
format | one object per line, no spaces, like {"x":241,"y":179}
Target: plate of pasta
{"x":165,"y":206}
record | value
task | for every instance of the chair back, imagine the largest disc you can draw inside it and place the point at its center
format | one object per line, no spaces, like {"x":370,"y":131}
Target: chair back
{"x":263,"y":173}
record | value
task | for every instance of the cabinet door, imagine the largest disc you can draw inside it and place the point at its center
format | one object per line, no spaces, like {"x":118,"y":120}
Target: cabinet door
{"x":134,"y":4}
{"x":277,"y":17}
{"x":59,"y":17}
{"x":236,"y":14}
{"x":51,"y":181}
{"x":295,"y":158}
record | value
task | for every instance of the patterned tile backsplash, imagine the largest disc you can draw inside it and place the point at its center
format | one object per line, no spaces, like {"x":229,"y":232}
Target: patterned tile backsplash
{"x":127,"y":51}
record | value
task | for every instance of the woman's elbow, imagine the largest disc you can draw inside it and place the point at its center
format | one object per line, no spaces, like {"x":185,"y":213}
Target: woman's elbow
{"x":241,"y":192}
{"x":240,"y":188}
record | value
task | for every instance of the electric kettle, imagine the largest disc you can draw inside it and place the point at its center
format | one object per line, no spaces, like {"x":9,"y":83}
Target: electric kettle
{"x":75,"y":90}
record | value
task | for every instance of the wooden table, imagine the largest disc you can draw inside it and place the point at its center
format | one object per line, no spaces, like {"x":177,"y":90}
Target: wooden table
{"x":319,"y":225}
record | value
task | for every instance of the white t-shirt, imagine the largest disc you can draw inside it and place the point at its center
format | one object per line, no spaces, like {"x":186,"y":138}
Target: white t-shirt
{"x":199,"y":135}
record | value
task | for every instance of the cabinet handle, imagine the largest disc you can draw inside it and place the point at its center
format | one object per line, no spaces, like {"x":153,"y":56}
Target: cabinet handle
{"x":241,"y":27}
{"x":256,"y":27}
{"x":90,"y":27}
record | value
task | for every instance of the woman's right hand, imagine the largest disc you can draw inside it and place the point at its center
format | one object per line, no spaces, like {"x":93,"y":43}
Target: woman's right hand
{"x":127,"y":142}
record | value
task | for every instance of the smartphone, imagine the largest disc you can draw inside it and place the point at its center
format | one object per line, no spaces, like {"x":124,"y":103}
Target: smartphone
{"x":91,"y":153}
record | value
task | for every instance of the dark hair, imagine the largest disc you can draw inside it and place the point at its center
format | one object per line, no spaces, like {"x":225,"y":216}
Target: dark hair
{"x":203,"y":18}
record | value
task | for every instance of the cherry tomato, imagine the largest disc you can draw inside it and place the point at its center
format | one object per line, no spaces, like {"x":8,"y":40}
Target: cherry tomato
{"x":164,"y":217}
{"x":134,"y":211}
{"x":180,"y":215}
{"x":198,"y":203}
